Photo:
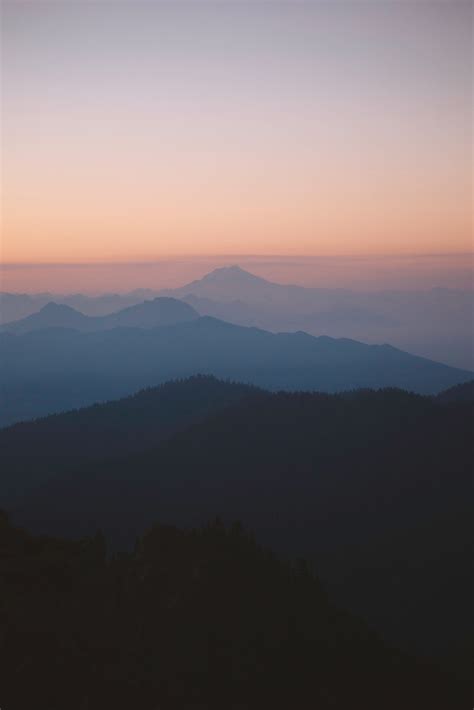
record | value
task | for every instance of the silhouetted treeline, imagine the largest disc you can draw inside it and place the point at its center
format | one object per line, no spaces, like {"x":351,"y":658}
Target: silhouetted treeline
{"x":197,"y":619}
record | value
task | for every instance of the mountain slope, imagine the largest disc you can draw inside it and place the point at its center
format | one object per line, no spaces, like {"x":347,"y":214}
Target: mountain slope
{"x":32,"y":452}
{"x":201,"y":619}
{"x":52,"y":315}
{"x":52,"y":370}
{"x":14,"y":306}
{"x":149,"y":314}
{"x":229,"y":283}
{"x":374,"y":487}
{"x":459,"y":393}
{"x":434,"y":323}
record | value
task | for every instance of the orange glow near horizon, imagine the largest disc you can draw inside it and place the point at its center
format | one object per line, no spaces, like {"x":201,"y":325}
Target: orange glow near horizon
{"x":360,"y":273}
{"x":144,"y":131}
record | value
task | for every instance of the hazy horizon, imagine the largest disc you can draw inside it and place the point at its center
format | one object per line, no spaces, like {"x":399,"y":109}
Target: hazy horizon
{"x":358,"y":273}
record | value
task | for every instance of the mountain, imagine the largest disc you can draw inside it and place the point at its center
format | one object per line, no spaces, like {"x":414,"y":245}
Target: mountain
{"x":149,"y":314}
{"x":434,"y":323}
{"x":46,"y":371}
{"x":373,"y":487}
{"x":459,"y":393}
{"x":231,"y":282}
{"x":52,"y":315}
{"x":32,"y":451}
{"x":189,"y":619}
{"x":14,"y":306}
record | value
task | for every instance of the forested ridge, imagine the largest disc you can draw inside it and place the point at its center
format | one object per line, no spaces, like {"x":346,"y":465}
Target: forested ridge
{"x":372,"y":488}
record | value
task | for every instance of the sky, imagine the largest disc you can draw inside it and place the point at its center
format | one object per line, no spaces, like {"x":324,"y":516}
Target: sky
{"x":147,"y":131}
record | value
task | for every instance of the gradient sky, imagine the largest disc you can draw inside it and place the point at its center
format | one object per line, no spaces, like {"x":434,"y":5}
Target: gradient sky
{"x":144,"y":130}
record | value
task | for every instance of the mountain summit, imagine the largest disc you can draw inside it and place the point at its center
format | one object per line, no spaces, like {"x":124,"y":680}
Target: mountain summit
{"x":228,"y":283}
{"x":232,"y":273}
{"x":52,"y":315}
{"x":149,"y":314}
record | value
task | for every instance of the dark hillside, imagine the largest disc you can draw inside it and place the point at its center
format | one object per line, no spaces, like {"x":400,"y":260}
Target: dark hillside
{"x":375,"y":487}
{"x":459,"y":393}
{"x":200,"y":619}
{"x":33,"y":451}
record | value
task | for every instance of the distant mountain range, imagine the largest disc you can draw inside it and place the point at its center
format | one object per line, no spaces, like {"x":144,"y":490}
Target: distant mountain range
{"x":14,"y":306}
{"x":149,"y":314}
{"x":54,"y":369}
{"x":374,"y":487}
{"x":436,"y":324}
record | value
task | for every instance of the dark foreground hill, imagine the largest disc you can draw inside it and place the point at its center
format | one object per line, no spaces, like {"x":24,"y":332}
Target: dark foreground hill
{"x":57,"y":369}
{"x":32,"y":452}
{"x":459,"y":393}
{"x":201,"y":619}
{"x":372,"y":486}
{"x":149,"y":314}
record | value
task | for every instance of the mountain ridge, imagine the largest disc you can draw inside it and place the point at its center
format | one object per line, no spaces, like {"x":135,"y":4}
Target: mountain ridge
{"x":148,"y":314}
{"x":393,"y":498}
{"x":44,"y":371}
{"x":434,"y":323}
